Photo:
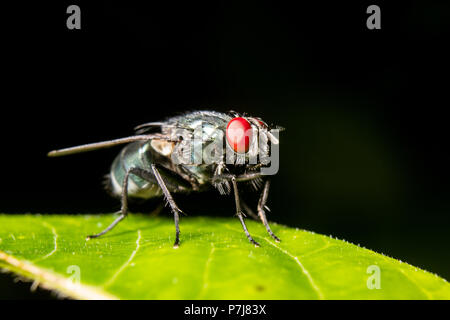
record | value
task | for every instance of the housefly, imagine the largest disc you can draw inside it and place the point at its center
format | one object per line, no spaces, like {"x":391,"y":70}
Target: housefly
{"x":193,"y":152}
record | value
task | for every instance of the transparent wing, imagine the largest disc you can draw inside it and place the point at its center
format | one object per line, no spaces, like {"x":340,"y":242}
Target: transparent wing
{"x":145,"y":127}
{"x":105,"y":144}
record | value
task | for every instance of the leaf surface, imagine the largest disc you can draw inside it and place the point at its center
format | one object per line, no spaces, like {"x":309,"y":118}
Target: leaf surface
{"x":215,"y":261}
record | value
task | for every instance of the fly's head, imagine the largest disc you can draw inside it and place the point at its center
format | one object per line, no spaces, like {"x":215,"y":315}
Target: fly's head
{"x":251,"y":146}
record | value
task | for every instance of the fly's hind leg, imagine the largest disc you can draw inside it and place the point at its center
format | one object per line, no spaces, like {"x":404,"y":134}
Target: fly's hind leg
{"x":149,"y":176}
{"x":124,"y":208}
{"x":261,"y":213}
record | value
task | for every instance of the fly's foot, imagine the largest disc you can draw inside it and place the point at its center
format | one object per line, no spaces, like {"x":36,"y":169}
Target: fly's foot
{"x":92,"y":236}
{"x":176,"y":245}
{"x":256,"y":244}
{"x":275,"y":237}
{"x":249,"y":237}
{"x":112,"y":225}
{"x":262,"y":215}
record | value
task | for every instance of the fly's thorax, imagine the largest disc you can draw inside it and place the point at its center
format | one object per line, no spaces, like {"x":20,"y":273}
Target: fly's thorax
{"x":208,"y":144}
{"x":201,"y":144}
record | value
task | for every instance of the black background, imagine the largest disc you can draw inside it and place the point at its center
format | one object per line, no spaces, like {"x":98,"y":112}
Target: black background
{"x":365,"y":153}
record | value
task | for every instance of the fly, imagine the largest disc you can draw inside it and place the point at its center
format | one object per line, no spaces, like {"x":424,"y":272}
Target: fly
{"x":193,"y":152}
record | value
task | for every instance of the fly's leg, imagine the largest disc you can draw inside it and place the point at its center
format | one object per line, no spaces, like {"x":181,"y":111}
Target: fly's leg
{"x":157,"y":211}
{"x":261,"y":205}
{"x":172,"y":204}
{"x":150,"y":176}
{"x":123,"y":211}
{"x":249,"y":211}
{"x":261,"y":213}
{"x":239,"y":212}
{"x":147,"y":175}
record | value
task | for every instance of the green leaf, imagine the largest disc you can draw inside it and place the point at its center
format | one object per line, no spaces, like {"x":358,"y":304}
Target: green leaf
{"x":215,"y":261}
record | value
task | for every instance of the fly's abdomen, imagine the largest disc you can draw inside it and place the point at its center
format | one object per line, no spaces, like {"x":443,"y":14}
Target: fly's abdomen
{"x":133,"y":155}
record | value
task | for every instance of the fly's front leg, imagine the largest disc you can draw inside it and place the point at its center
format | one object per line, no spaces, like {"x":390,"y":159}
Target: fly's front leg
{"x":239,"y":212}
{"x":261,"y":205}
{"x":124,"y":208}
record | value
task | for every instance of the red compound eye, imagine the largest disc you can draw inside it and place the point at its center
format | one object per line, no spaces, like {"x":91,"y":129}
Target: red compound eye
{"x":239,"y":134}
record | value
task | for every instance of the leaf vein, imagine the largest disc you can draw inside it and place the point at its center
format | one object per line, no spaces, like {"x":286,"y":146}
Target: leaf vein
{"x":302,"y":267}
{"x":411,"y":280}
{"x":55,"y":242}
{"x":206,"y":271}
{"x":127,"y":263}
